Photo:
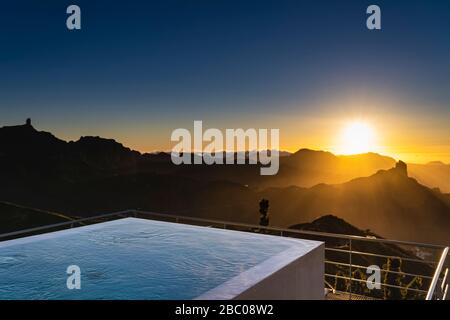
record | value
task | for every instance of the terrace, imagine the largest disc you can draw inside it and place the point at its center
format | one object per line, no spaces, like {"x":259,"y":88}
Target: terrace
{"x":277,"y":256}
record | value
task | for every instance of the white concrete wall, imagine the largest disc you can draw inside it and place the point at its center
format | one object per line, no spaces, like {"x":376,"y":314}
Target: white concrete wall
{"x":302,"y":279}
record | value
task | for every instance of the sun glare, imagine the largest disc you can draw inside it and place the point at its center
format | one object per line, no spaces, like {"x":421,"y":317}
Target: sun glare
{"x":357,"y":137}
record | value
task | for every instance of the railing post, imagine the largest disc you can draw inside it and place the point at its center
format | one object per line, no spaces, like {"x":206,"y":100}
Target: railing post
{"x":350,"y":271}
{"x":432,"y":290}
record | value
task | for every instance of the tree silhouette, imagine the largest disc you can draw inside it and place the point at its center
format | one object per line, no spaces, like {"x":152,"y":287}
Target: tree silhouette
{"x":264,"y":212}
{"x":390,"y":293}
{"x":360,"y":287}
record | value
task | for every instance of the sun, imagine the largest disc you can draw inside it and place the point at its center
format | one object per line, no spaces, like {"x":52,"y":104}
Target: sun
{"x":357,"y":137}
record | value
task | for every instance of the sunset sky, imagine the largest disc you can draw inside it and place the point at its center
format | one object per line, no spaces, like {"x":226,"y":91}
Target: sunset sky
{"x":139,"y":69}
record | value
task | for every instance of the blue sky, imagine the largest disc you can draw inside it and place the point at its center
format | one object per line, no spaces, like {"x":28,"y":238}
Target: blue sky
{"x":139,"y":69}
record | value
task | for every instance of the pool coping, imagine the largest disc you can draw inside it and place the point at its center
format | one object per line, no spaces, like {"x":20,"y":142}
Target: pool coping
{"x":256,"y":274}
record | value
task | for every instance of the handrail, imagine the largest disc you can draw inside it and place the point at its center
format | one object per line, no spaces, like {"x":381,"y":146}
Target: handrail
{"x":62,"y":224}
{"x":314,"y":233}
{"x":437,"y":274}
{"x":225,"y":223}
{"x":362,"y":253}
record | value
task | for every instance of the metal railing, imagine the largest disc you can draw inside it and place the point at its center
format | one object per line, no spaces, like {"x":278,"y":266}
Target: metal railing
{"x":441,"y":293}
{"x":344,"y":256}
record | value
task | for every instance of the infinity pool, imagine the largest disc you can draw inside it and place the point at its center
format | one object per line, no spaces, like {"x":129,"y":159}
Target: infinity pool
{"x":143,"y":259}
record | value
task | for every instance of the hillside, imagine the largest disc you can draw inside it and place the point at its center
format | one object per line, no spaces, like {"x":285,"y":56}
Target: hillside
{"x":307,"y":168}
{"x":14,"y":217}
{"x":433,"y":174}
{"x":389,"y":203}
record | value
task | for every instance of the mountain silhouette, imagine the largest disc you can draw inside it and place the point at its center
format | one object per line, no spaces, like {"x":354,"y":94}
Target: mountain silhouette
{"x":25,"y":139}
{"x":94,"y":175}
{"x":332,"y":224}
{"x":30,"y":154}
{"x":389,"y":202}
{"x":307,"y":168}
{"x":24,"y":148}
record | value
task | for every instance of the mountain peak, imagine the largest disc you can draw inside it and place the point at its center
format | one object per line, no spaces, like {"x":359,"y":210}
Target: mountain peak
{"x":401,"y":168}
{"x":311,"y":152}
{"x":25,"y":139}
{"x":436,"y":163}
{"x":333,"y":224}
{"x":26,"y":127}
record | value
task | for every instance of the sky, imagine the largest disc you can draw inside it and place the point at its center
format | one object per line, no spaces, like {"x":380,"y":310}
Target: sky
{"x":137,"y":70}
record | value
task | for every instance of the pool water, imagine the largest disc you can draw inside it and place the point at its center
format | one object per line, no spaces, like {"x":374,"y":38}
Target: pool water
{"x":133,"y":259}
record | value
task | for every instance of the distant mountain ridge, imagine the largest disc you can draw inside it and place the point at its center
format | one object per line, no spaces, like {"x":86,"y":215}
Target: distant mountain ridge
{"x":98,"y":156}
{"x":95,"y":175}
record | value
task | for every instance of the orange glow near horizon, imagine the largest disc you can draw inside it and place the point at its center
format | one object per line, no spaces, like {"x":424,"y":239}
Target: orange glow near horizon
{"x":407,"y":138}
